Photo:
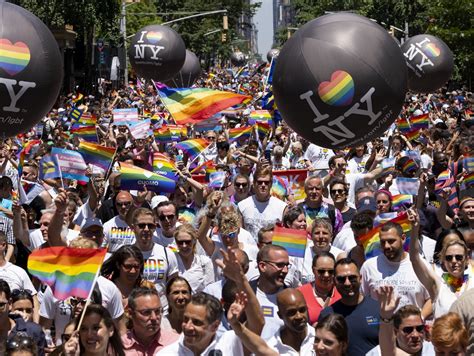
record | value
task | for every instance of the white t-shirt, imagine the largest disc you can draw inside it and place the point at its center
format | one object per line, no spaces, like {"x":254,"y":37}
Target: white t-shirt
{"x":318,"y":156}
{"x":306,"y":347}
{"x":357,"y":164}
{"x":83,"y":212}
{"x":345,"y":239}
{"x":163,"y":240}
{"x":379,"y":271}
{"x":36,"y":239}
{"x":16,"y":277}
{"x":355,"y":181}
{"x":227,"y":344}
{"x":269,"y":307}
{"x":306,"y":264}
{"x":200,"y":274}
{"x":427,"y":350}
{"x":117,"y":233}
{"x":259,"y":214}
{"x":58,"y":310}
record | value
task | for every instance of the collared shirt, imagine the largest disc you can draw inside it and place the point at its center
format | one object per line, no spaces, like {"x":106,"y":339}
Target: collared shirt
{"x":228,"y":344}
{"x":133,"y":347}
{"x":283,"y":349}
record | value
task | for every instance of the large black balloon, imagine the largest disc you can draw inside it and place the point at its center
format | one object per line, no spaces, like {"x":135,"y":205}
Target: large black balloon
{"x":157,"y":52}
{"x":430,"y":63}
{"x":274,"y":52}
{"x":340,"y":80}
{"x":188,"y":74}
{"x":237,"y":58}
{"x":30,"y":70}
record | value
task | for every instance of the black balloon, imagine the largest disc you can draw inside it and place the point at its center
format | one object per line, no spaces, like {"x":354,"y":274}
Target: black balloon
{"x":157,"y":52}
{"x":237,"y":58}
{"x":430,"y":63}
{"x":340,"y":80}
{"x":188,"y":74}
{"x":274,"y":52}
{"x":30,"y":70}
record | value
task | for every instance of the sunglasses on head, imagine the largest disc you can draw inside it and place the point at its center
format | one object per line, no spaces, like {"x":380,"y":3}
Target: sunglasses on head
{"x":342,"y":279}
{"x":17,"y":342}
{"x":451,"y":258}
{"x":409,"y":329}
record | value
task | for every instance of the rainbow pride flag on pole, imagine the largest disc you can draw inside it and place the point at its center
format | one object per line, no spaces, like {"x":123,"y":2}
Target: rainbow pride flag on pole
{"x":193,"y":147}
{"x":263,"y":129}
{"x":70,"y":272}
{"x":164,"y":166}
{"x":97,"y":155}
{"x":87,"y":133}
{"x":293,"y":240}
{"x":401,"y":200}
{"x":420,"y":122}
{"x":135,"y":178}
{"x":260,"y":116}
{"x":371,"y":240}
{"x":24,"y":152}
{"x":240,"y":132}
{"x":190,"y":105}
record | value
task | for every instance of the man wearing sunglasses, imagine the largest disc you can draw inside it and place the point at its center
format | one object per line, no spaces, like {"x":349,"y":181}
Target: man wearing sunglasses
{"x":361,"y":312}
{"x":167,"y":218}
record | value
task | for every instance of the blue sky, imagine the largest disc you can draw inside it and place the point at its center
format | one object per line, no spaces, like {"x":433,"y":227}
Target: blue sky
{"x":263,"y":19}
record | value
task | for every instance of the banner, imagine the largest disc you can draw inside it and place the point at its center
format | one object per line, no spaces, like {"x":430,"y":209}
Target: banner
{"x":125,"y":116}
{"x":71,"y":164}
{"x":295,"y":179}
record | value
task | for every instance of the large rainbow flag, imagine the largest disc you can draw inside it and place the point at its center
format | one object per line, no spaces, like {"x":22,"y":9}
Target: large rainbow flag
{"x":87,"y":133}
{"x":420,"y":122}
{"x":371,"y":240}
{"x":260,"y":116}
{"x":293,"y":240}
{"x":193,"y":147}
{"x":135,"y":178}
{"x":68,"y":271}
{"x":190,"y":105}
{"x":97,"y":155}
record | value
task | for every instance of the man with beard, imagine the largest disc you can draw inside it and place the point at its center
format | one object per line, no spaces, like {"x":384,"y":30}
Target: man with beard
{"x":296,"y":336}
{"x":403,"y":330}
{"x":146,"y":336}
{"x":360,"y":312}
{"x":393,"y":267}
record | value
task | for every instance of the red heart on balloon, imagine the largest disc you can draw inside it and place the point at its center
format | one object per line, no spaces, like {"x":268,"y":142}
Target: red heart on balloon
{"x":339,"y":91}
{"x":13,"y":57}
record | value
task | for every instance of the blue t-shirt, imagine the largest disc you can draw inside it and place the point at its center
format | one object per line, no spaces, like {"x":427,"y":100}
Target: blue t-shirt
{"x":7,"y":204}
{"x":363,"y":323}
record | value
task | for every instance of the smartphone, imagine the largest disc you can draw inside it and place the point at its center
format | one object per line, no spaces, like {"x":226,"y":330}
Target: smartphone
{"x":268,"y":155}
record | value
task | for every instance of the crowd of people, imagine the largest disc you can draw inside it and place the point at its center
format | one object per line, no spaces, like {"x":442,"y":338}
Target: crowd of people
{"x":195,"y":272}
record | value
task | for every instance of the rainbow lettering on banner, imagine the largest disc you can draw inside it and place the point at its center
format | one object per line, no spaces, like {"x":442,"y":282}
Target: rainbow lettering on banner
{"x":401,"y":200}
{"x":339,"y":91}
{"x":193,"y":147}
{"x":13,"y":57}
{"x":371,"y":240}
{"x":293,"y":240}
{"x":68,"y":271}
{"x":432,"y":50}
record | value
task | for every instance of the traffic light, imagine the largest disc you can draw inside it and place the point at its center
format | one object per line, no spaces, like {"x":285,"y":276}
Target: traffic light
{"x":225,"y":23}
{"x":224,"y":36}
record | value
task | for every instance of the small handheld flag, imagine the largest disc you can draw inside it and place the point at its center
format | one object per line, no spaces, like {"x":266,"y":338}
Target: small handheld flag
{"x":293,"y":240}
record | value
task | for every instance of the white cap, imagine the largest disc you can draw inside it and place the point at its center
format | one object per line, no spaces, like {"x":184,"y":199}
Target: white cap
{"x":438,"y":121}
{"x":157,"y":200}
{"x":418,"y":112}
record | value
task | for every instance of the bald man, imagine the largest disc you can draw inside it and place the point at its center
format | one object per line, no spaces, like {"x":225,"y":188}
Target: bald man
{"x":296,"y":336}
{"x":117,"y":232}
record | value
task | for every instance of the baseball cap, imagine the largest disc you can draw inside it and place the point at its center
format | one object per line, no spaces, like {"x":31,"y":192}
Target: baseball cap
{"x":157,"y":200}
{"x":91,"y":222}
{"x":366,"y":203}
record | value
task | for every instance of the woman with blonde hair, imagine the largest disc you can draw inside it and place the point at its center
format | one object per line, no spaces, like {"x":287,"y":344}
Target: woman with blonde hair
{"x":197,"y":269}
{"x":449,"y":335}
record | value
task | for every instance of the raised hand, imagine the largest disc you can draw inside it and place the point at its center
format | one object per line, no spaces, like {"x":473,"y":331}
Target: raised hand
{"x":237,"y":307}
{"x":61,"y":200}
{"x":413,"y":216}
{"x":230,"y":266}
{"x":388,"y":301}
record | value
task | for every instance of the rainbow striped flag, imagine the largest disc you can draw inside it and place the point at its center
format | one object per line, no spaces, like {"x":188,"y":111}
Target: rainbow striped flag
{"x":420,"y":122}
{"x":263,"y":129}
{"x":401,"y":200}
{"x":164,"y":166}
{"x":240,"y":132}
{"x":293,"y":240}
{"x":280,"y":187}
{"x":170,"y":133}
{"x":70,"y":272}
{"x":97,"y":155}
{"x":186,"y":215}
{"x":190,"y":105}
{"x":468,"y":180}
{"x":87,"y":133}
{"x":409,"y":166}
{"x":24,"y":152}
{"x":135,"y":178}
{"x":193,"y":147}
{"x":371,"y":240}
{"x":403,"y":125}
{"x":87,"y":119}
{"x":77,"y":98}
{"x":208,"y":166}
{"x":260,"y":116}
{"x":413,"y":134}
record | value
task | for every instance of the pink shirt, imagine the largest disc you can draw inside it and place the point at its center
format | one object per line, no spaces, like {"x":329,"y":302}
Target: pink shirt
{"x":133,"y":348}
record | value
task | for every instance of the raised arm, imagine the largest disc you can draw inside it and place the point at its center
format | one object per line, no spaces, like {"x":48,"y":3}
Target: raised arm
{"x":57,"y":221}
{"x":213,"y":205}
{"x":388,"y":304}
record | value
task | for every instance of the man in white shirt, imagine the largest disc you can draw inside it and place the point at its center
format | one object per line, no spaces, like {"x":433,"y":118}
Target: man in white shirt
{"x":117,"y":232}
{"x":394,"y":267}
{"x":167,"y":218}
{"x":261,"y":209}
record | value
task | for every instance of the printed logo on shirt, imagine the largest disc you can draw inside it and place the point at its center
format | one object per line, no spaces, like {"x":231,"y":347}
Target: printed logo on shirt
{"x":119,"y":236}
{"x":267,"y":311}
{"x":154,"y":269}
{"x":372,"y":320}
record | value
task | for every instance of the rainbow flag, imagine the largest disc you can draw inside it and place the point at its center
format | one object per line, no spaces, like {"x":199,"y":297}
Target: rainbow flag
{"x":420,"y":122}
{"x":260,"y":116}
{"x":208,"y":166}
{"x":77,"y":98}
{"x":240,"y":132}
{"x":170,"y":133}
{"x":263,"y":129}
{"x":401,"y":200}
{"x":186,"y":215}
{"x":193,"y":147}
{"x":135,"y":178}
{"x":87,"y":119}
{"x":468,"y":164}
{"x":190,"y":105}
{"x":97,"y":155}
{"x":68,"y":271}
{"x":293,"y":240}
{"x":87,"y":133}
{"x":371,"y":240}
{"x":164,"y":166}
{"x":403,"y":125}
{"x":413,"y":134}
{"x":468,"y":180}
{"x":24,"y":152}
{"x":280,"y":187}
{"x":409,"y":166}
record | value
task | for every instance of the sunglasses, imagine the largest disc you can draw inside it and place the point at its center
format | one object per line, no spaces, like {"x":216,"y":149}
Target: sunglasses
{"x":125,"y":203}
{"x":129,"y":267}
{"x":342,"y":279}
{"x":338,"y":191}
{"x":73,"y":302}
{"x":264,"y":182}
{"x":324,"y":271}
{"x":409,"y":329}
{"x":166,"y":217}
{"x":383,"y":201}
{"x":150,"y":226}
{"x":278,"y":265}
{"x":240,"y":185}
{"x":23,"y":341}
{"x":210,"y":137}
{"x":458,"y":258}
{"x":184,"y":242}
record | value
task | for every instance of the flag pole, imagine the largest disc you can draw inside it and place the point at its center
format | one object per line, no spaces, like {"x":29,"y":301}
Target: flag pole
{"x":60,"y":173}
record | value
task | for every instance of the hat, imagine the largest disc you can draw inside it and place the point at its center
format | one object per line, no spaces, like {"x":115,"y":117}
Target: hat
{"x":366,"y":203}
{"x":91,"y":222}
{"x":157,"y":200}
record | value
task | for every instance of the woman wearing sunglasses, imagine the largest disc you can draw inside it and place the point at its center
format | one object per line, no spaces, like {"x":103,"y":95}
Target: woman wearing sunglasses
{"x":454,"y":258}
{"x":197,"y":269}
{"x":339,"y":194}
{"x":321,"y":292}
